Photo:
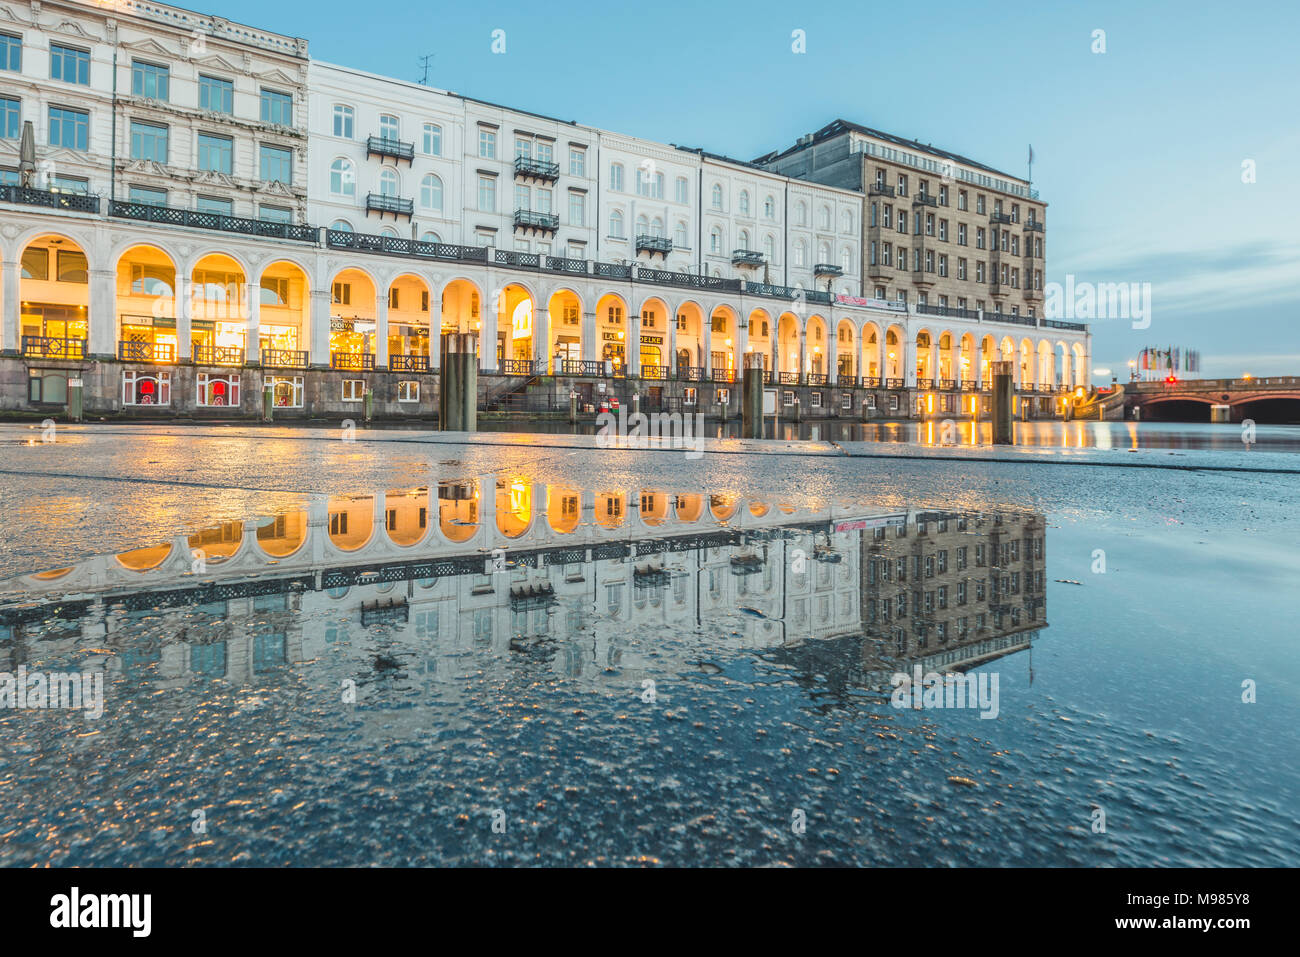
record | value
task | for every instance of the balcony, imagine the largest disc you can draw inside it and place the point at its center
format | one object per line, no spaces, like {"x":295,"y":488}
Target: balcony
{"x":999,"y":289}
{"x":880,"y":189}
{"x":654,"y":372}
{"x":528,"y":168}
{"x":541,"y":222}
{"x":1068,"y":326}
{"x":170,"y":216}
{"x":394,"y":246}
{"x":1002,"y":218}
{"x":383,"y":205}
{"x":52,"y":199}
{"x":284,"y":358}
{"x":401,"y":363}
{"x":654,"y":244}
{"x":352,"y":361}
{"x":520,"y":260}
{"x":581,"y":367}
{"x":688,"y":280}
{"x":746,"y":257}
{"x":827,"y":270}
{"x":562,"y":264}
{"x":135,"y":351}
{"x":382,"y":146}
{"x":921,"y":199}
{"x":1034,"y":295}
{"x":50,"y":347}
{"x":525,"y":367}
{"x":218,"y":356}
{"x":1033,"y":227}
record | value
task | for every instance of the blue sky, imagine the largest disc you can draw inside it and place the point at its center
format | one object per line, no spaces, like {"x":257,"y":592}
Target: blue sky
{"x":1138,"y":150}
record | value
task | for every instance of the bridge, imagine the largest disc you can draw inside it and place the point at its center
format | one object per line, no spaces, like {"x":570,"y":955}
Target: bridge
{"x":1274,"y":399}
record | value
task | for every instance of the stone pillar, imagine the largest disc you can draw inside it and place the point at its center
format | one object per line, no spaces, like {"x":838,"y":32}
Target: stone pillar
{"x":670,"y":360}
{"x":590,"y":347}
{"x":252,"y":322}
{"x":632,"y":349}
{"x":458,"y":385}
{"x":102,"y":317}
{"x":381,"y":331}
{"x":751,"y":405}
{"x":318,"y":329}
{"x":1003,"y":395}
{"x":488,"y":333}
{"x":10,"y":328}
{"x":184,"y":317}
{"x":541,"y":339}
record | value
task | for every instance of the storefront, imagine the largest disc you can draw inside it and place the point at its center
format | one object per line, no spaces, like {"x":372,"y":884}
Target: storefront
{"x":355,"y":336}
{"x":148,"y":338}
{"x":53,"y":321}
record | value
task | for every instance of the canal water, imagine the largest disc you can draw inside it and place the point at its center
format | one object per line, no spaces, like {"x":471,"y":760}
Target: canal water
{"x":499,"y":670}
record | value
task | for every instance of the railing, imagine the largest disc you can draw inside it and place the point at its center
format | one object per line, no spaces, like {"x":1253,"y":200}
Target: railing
{"x":771,"y":291}
{"x":518,"y":367}
{"x":722,"y":375}
{"x":746,"y":257}
{"x":688,"y":279}
{"x":947,"y":385}
{"x":561,"y":264}
{"x":951,"y":311}
{"x":170,"y":216}
{"x":922,"y":200}
{"x":52,"y":347}
{"x":880,"y":189}
{"x":892,"y":383}
{"x":392,"y":245}
{"x":818,"y":378}
{"x":408,"y":363}
{"x":789,"y":378}
{"x":969,"y":385}
{"x":611,"y":270}
{"x":690,"y":373}
{"x":846,"y":381}
{"x":507,"y":257}
{"x":654,"y":244}
{"x":218,"y":355}
{"x":54,"y":199}
{"x":383,"y":146}
{"x":527,"y":219}
{"x":827,"y":269}
{"x":871,"y":382}
{"x":583,"y":367}
{"x":1033,"y":227}
{"x":1000,"y":218}
{"x":352,"y":361}
{"x":379,"y":203}
{"x":817,"y":295}
{"x":537,"y":169}
{"x":136,"y":351}
{"x":654,"y":372}
{"x":1007,"y":317}
{"x":1058,"y":324}
{"x":285,"y":358}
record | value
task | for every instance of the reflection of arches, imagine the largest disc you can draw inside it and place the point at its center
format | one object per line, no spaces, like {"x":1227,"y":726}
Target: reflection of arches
{"x":282,"y":535}
{"x":351,"y":521}
{"x":690,"y":508}
{"x":220,"y":543}
{"x":458,"y":510}
{"x":609,"y":509}
{"x":654,"y":506}
{"x":514,"y":507}
{"x":52,"y":574}
{"x":406,"y":516}
{"x":563,"y":508}
{"x":759,"y":509}
{"x":723,"y":506}
{"x":143,"y":559}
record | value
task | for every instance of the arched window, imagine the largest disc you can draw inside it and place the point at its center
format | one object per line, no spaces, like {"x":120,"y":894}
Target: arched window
{"x":343,"y":178}
{"x":642,"y":226}
{"x":847,"y":221}
{"x":744,"y":202}
{"x":431,"y":193}
{"x":846,"y":259}
{"x":823,"y":252}
{"x":769,"y":208}
{"x":680,"y":237}
{"x":388,"y":127}
{"x":657,"y":227}
{"x":716,"y":196}
{"x":430,"y":236}
{"x":388,"y":182}
{"x":744,"y":239}
{"x":388,"y":231}
{"x":800,"y":253}
{"x":616,"y":224}
{"x":826,"y":217}
{"x":801,"y":213}
{"x":432,"y":139}
{"x":769,"y":248}
{"x":341,"y":226}
{"x":715,"y":240}
{"x":683,"y":191}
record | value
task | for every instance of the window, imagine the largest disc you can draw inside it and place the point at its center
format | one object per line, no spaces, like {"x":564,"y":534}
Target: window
{"x":408,"y":390}
{"x":616,"y":177}
{"x":388,"y":185}
{"x":217,"y":390}
{"x":72,"y":266}
{"x":715,"y":240}
{"x":341,"y":226}
{"x":9,"y":118}
{"x":148,"y":142}
{"x":344,"y":122}
{"x":274,"y":214}
{"x":144,"y":196}
{"x":487,"y":194}
{"x":276,"y":164}
{"x":69,"y":128}
{"x":815,"y":400}
{"x":682,"y":190}
{"x":36,"y":263}
{"x":354,"y":390}
{"x":11,"y":52}
{"x":680,"y":238}
{"x":616,"y":224}
{"x":744,"y":202}
{"x":215,"y":153}
{"x":277,"y":108}
{"x":801,"y":213}
{"x":432,"y":140}
{"x":286,"y":391}
{"x":689,"y":395}
{"x":487,"y":145}
{"x":801,"y":252}
{"x":769,"y":208}
{"x":69,"y":64}
{"x":343,"y":179}
{"x":216,"y":95}
{"x":716,"y":196}
{"x":577,"y":209}
{"x":577,"y":161}
{"x":431,"y":193}
{"x":146,"y":388}
{"x":149,"y":80}
{"x":215,"y":205}
{"x":47,"y":385}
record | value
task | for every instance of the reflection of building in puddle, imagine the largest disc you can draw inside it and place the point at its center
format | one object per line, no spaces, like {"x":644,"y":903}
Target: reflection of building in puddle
{"x":418,"y":584}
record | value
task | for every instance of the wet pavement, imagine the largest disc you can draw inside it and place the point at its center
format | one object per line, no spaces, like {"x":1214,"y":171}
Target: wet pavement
{"x":411,"y":648}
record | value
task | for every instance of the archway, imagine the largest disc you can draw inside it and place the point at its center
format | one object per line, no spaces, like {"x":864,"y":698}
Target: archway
{"x":787,"y":348}
{"x":871,"y":344}
{"x":655,"y":361}
{"x":146,"y":303}
{"x":282,"y":312}
{"x":352,"y":320}
{"x":846,"y":349}
{"x":724,"y":330}
{"x":690,"y":341}
{"x":54,"y":299}
{"x":516,"y":333}
{"x":611,"y":331}
{"x":565,"y":348}
{"x":408,"y":323}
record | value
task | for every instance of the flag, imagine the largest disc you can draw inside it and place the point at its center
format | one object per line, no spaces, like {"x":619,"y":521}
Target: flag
{"x":1031,"y":154}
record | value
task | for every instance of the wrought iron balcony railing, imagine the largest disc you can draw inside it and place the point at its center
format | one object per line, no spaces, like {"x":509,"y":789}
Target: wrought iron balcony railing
{"x":352,"y":361}
{"x":284,"y":358}
{"x":218,"y":356}
{"x":170,"y":216}
{"x":509,"y":257}
{"x":827,"y":269}
{"x":1033,"y":227}
{"x":136,"y":351}
{"x":1000,"y":218}
{"x":746,"y":257}
{"x":394,"y":149}
{"x":383,"y":204}
{"x":405,"y":363}
{"x":53,"y":347}
{"x":920,"y":199}
{"x":654,"y":244}
{"x":527,"y":167}
{"x":528,"y":219}
{"x":51,"y":198}
{"x":392,"y":245}
{"x":880,"y":189}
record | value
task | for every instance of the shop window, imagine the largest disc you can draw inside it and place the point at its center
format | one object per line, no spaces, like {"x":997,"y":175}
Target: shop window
{"x":47,"y":386}
{"x":354,"y":390}
{"x":287,"y":391}
{"x":816,"y":400}
{"x":787,"y":397}
{"x":217,"y":390}
{"x":688,"y":396}
{"x":144,"y":388}
{"x":408,"y":390}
